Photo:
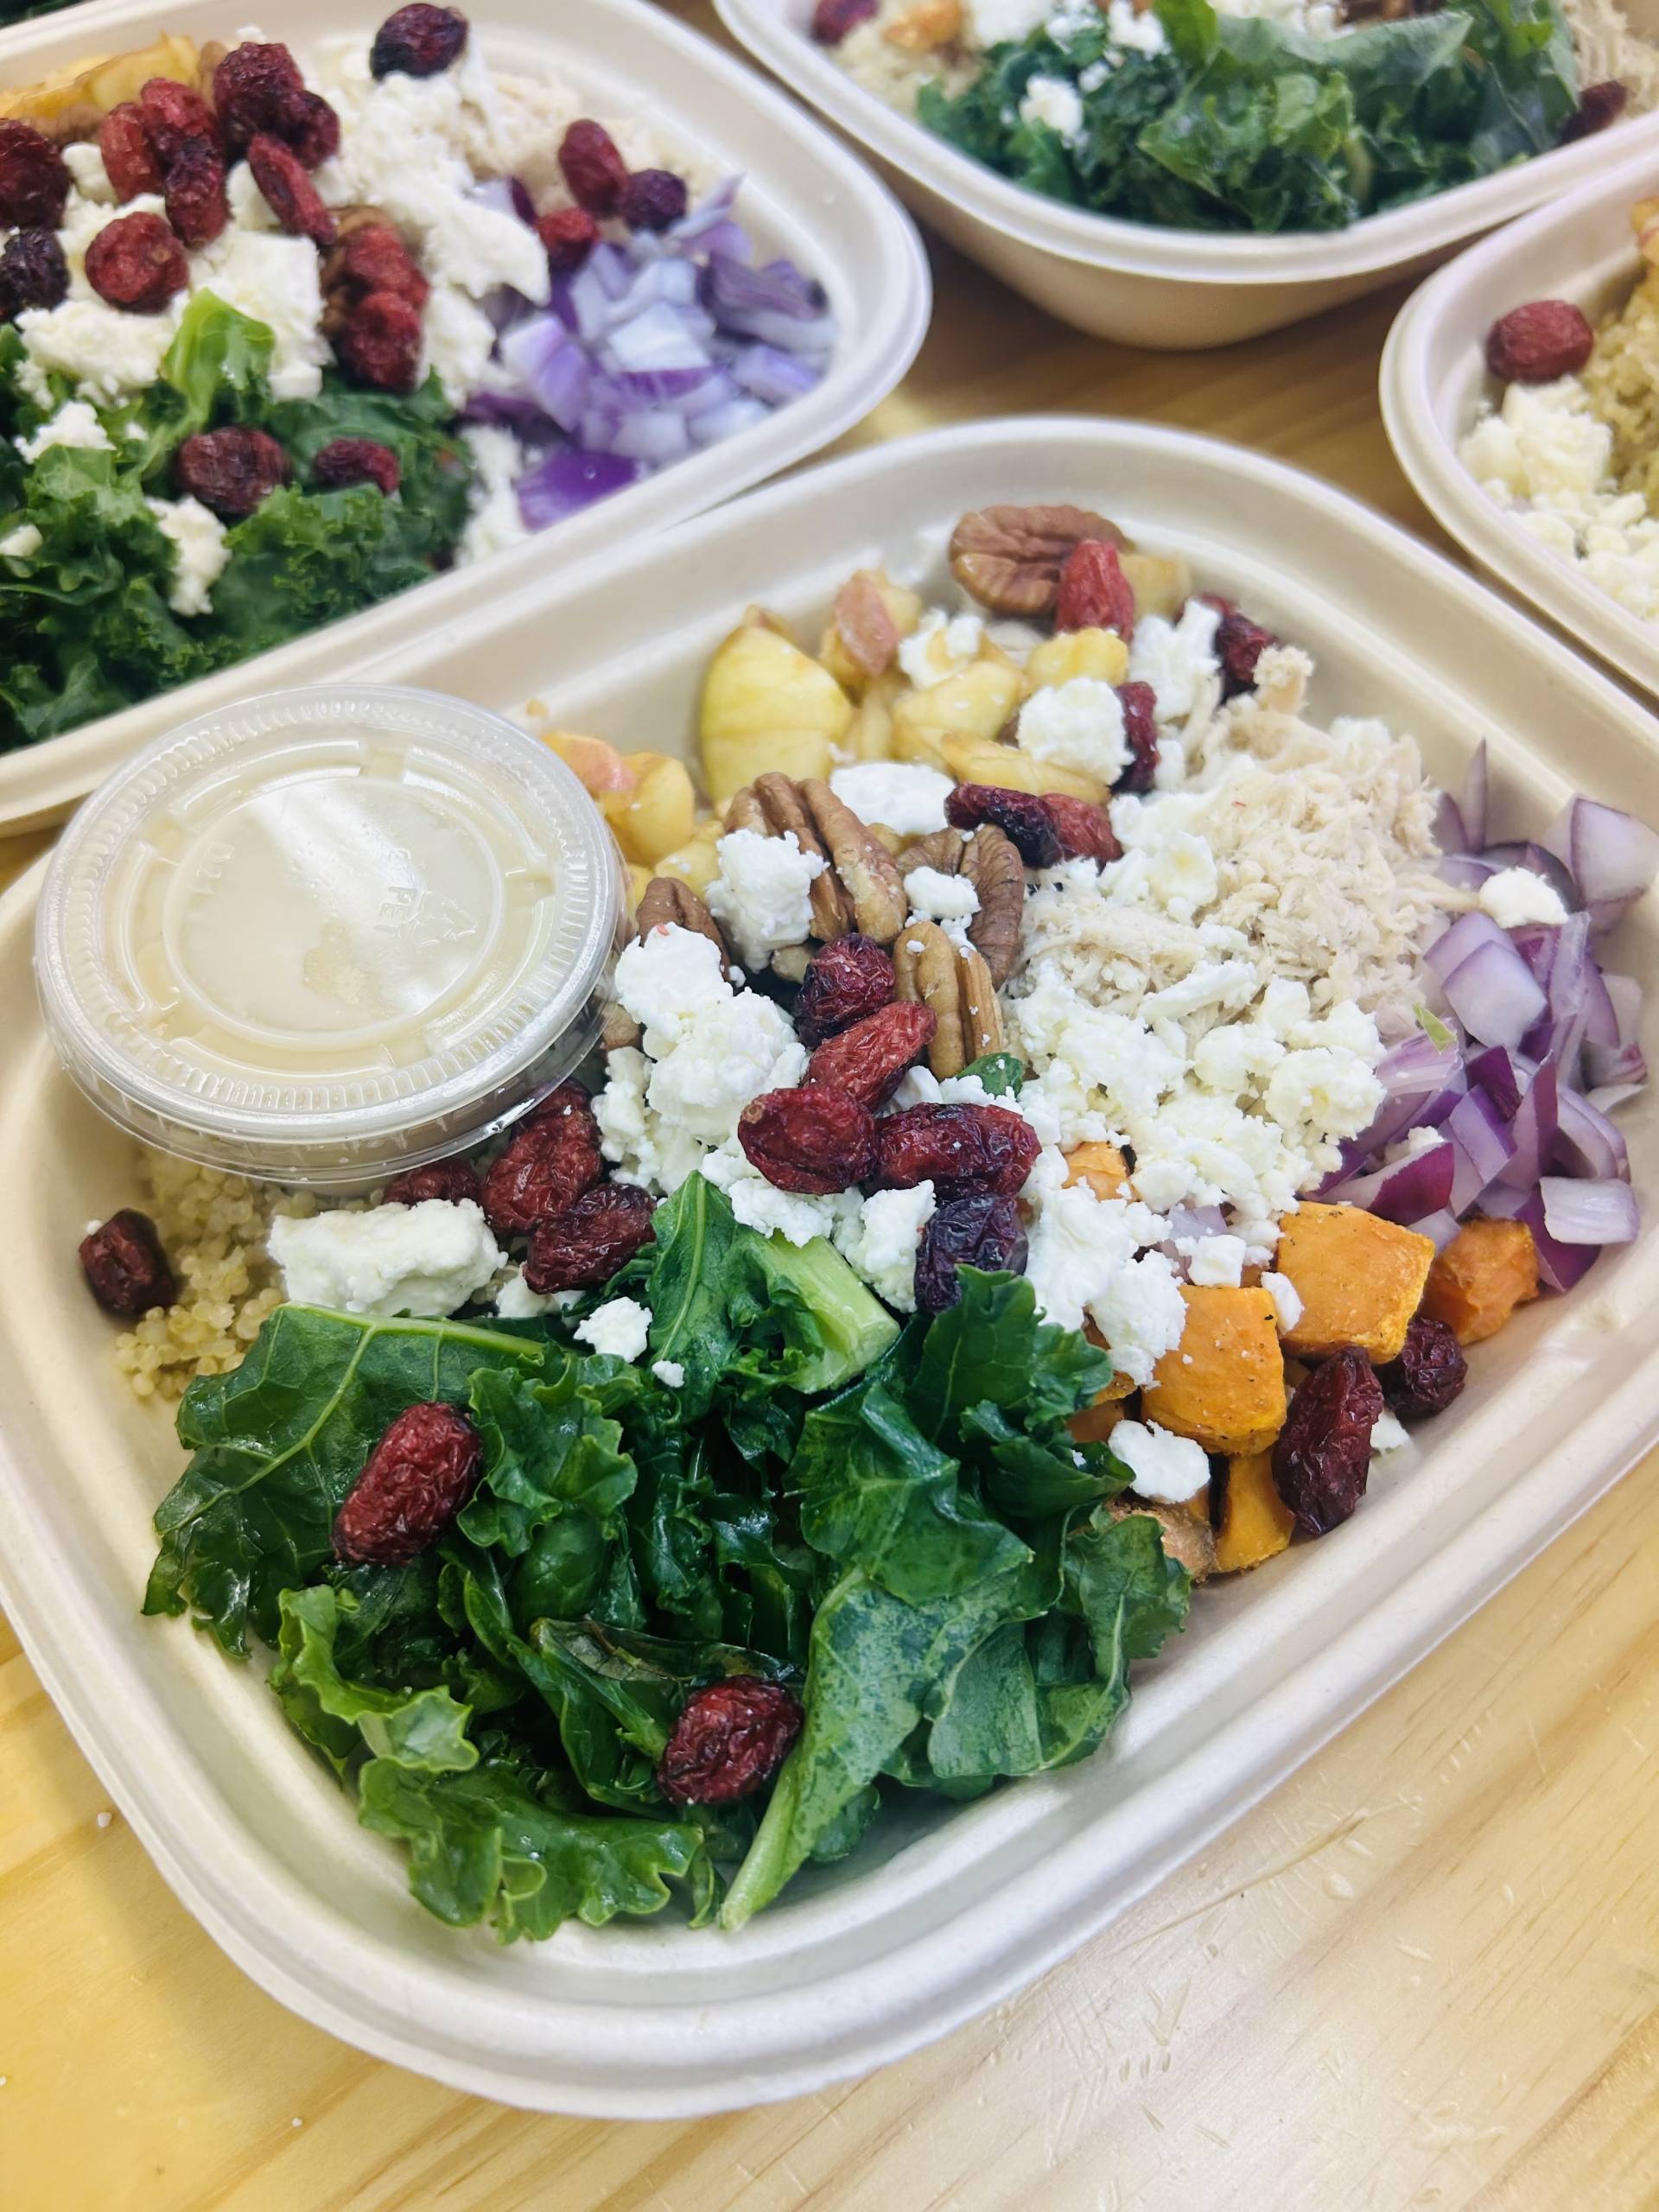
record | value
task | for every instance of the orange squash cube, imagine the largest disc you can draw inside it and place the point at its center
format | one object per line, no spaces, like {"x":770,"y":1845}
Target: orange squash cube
{"x":1256,"y":1523}
{"x":1360,"y":1279}
{"x":1223,"y":1385}
{"x":1101,"y":1166}
{"x":1487,"y":1270}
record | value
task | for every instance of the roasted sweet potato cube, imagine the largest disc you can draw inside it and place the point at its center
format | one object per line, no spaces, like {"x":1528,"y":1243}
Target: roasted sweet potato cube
{"x":1095,"y":1423}
{"x":1360,"y":1279}
{"x":1255,"y":1521}
{"x":1223,"y":1385}
{"x":1487,"y":1270}
{"x":1101,"y":1166}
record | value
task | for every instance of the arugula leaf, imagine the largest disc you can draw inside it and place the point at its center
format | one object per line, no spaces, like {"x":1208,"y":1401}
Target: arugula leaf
{"x":278,"y":1443}
{"x":491,"y":1844}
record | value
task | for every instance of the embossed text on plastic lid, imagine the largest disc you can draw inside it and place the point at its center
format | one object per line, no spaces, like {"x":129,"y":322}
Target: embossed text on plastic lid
{"x":329,"y":932}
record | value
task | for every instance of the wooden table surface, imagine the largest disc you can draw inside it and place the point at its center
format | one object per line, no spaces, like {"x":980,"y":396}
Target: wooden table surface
{"x":1425,"y":1972}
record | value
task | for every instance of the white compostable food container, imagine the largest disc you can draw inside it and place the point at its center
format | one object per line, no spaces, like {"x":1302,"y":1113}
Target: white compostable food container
{"x":946,"y":1910}
{"x":1434,"y":376}
{"x":1138,"y":283}
{"x":803,"y":195}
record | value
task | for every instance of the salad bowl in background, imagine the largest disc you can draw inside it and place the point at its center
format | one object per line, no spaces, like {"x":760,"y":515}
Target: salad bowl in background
{"x":804,"y":196}
{"x":946,"y":1911}
{"x":1434,"y":376}
{"x":1141,"y":284}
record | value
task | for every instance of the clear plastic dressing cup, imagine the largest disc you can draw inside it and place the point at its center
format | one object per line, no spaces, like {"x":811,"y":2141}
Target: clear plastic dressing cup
{"x":329,"y":933}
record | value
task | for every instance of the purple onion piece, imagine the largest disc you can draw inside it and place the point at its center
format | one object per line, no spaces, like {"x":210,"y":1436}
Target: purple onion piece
{"x":1586,"y":1142}
{"x":1611,"y":856}
{"x":568,"y":480}
{"x":1533,"y":1127}
{"x":1581,"y":1210}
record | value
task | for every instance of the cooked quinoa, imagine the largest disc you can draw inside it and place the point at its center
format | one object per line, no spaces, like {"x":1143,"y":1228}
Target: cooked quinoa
{"x":213,"y":1228}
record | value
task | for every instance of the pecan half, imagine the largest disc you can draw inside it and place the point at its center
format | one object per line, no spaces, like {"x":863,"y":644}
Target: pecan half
{"x":864,"y":626}
{"x":860,"y":888}
{"x":991,"y":862}
{"x":667,"y":900}
{"x":1009,"y":558}
{"x":954,"y":983}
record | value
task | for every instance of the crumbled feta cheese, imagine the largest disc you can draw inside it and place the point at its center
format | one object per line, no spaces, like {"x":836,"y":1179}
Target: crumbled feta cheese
{"x":669,"y":1371}
{"x":1053,"y":101}
{"x":935,"y":896}
{"x":878,"y":1241}
{"x":737,"y":1051}
{"x":1178,"y":659}
{"x":1082,"y":1264}
{"x":1167,"y":1469}
{"x":1078,"y":724}
{"x":1388,"y":1434}
{"x":22,"y":543}
{"x":74,"y":424}
{"x":622,"y":1326}
{"x":200,"y":553}
{"x":516,"y":1301}
{"x":667,"y":980}
{"x":760,"y":1205}
{"x":1515,"y":896}
{"x":425,"y":1260}
{"x":1218,"y":1260}
{"x":994,"y":21}
{"x":940,"y":645}
{"x":109,"y":354}
{"x":762,"y":896}
{"x":275,"y":280}
{"x":1134,"y":31}
{"x":1286,"y":1300}
{"x":906,"y":796}
{"x":495,"y":521}
{"x":85,"y":163}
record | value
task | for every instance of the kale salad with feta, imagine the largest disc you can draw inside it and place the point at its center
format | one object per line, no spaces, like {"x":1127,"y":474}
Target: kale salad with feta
{"x":1235,"y":116}
{"x":1067,"y":1113}
{"x":282,"y":337}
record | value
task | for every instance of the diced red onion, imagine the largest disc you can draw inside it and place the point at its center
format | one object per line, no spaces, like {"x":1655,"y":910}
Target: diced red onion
{"x":1450,"y":833}
{"x":1612,"y":856}
{"x":1560,"y":1265}
{"x":1486,"y":982}
{"x":1580,"y":1210}
{"x":1533,"y":1127}
{"x":1484,"y":1146}
{"x":1586,"y":1142}
{"x":1406,"y":1189}
{"x":1442,"y":1227}
{"x":1501,"y":1075}
{"x":568,"y":480}
{"x":1463,"y":871}
{"x":1537,"y":861}
{"x":728,"y":421}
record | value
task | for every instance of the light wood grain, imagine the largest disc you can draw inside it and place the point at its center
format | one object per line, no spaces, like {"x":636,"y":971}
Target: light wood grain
{"x":1424,"y":1973}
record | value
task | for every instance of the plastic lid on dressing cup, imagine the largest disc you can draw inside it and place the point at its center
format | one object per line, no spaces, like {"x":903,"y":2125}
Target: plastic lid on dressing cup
{"x":329,"y":932}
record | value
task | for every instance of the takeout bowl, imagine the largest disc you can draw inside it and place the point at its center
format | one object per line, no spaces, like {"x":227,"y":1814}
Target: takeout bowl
{"x":804,"y":195}
{"x":945,"y":1910}
{"x":1433,"y":377}
{"x":1140,"y":284}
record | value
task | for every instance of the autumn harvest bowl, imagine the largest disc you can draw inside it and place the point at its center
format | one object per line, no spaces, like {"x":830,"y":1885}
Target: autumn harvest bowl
{"x":1144,"y":284}
{"x":803,"y":196}
{"x":945,"y":1911}
{"x":1435,"y":377}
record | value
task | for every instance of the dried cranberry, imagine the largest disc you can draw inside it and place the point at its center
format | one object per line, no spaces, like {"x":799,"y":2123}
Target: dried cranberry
{"x":593,"y":170}
{"x":1020,"y":816}
{"x":1430,"y":1371}
{"x":569,"y":235}
{"x":1598,"y":105}
{"x":812,"y":1141}
{"x":418,"y":42}
{"x":314,"y":132}
{"x":730,"y":1739}
{"x":551,"y":1160}
{"x":1324,"y":1451}
{"x":1085,"y":830}
{"x":129,"y":158}
{"x":1239,"y":645}
{"x":194,"y":193}
{"x":413,"y":1483}
{"x":381,"y":343}
{"x":959,"y":1149}
{"x":33,"y":272}
{"x":126,"y":1269}
{"x":175,"y":116}
{"x":833,"y":19}
{"x":454,"y":1179}
{"x":1094,"y":593}
{"x":1539,"y":343}
{"x":652,"y":198}
{"x":982,"y":1231}
{"x":231,"y":471}
{"x":851,"y":977}
{"x":868,"y":1061}
{"x":289,"y":193}
{"x":136,"y":263}
{"x":584,"y":1246}
{"x":257,"y":87}
{"x":1140,"y":705}
{"x":375,"y":259}
{"x":34,"y":178}
{"x":356,"y":461}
